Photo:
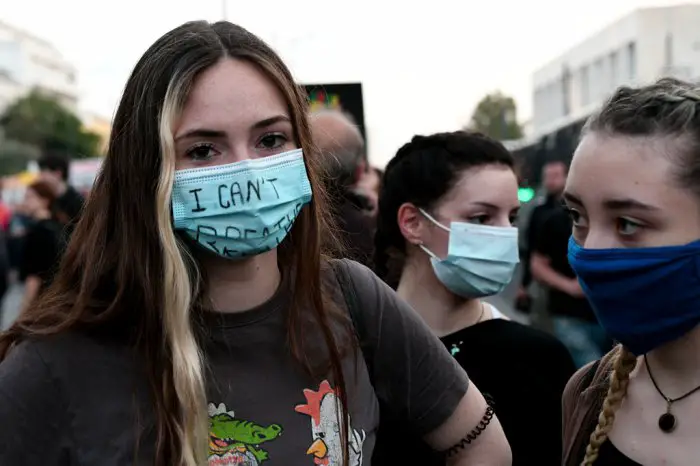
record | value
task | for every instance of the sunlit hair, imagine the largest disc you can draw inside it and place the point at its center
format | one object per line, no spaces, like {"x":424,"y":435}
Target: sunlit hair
{"x":669,"y":108}
{"x":128,"y":276}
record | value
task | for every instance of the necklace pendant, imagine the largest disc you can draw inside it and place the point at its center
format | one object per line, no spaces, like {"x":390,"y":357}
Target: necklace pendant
{"x":667,"y":421}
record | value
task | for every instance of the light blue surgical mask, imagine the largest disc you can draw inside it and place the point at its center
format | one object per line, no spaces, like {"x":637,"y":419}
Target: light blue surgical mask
{"x":480,"y":260}
{"x":244,"y":208}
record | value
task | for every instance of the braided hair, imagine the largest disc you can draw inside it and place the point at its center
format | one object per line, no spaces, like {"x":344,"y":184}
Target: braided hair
{"x":667,"y":108}
{"x":422,"y":172}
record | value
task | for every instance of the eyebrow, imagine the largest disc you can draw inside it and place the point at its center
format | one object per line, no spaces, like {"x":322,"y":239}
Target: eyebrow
{"x":485,"y":204}
{"x":210,"y":133}
{"x":614,"y":204}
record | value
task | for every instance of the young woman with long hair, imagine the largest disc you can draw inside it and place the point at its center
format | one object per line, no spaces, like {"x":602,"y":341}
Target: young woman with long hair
{"x":634,"y":196}
{"x":447,"y":210}
{"x":194,"y":320}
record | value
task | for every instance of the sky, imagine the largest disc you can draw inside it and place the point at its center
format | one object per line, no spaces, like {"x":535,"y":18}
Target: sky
{"x":423,"y":66}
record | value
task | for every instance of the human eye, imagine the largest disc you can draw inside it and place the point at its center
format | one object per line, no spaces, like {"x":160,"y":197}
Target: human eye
{"x":202,"y":151}
{"x":272,"y":141}
{"x":479,"y":219}
{"x":627,"y":227}
{"x":577,"y":218}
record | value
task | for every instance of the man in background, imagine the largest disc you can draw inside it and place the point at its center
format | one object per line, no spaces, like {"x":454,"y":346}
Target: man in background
{"x":571,"y":315}
{"x":342,"y":154}
{"x":69,"y":202}
{"x":553,"y":180}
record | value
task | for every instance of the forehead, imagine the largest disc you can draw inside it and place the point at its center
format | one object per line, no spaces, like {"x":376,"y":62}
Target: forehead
{"x":493,"y":184}
{"x":229,"y":93}
{"x":616,"y":167}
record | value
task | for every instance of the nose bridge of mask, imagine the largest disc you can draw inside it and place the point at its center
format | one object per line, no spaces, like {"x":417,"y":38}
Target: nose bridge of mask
{"x":250,"y":184}
{"x":483,"y":242}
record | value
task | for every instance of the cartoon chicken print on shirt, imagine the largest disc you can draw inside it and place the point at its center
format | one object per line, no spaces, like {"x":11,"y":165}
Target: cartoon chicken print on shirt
{"x":326,"y":446}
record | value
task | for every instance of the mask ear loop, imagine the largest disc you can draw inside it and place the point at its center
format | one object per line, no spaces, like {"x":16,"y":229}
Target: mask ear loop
{"x":437,"y":224}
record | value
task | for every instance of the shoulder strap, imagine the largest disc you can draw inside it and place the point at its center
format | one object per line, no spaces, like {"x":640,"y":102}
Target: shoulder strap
{"x":347,"y":288}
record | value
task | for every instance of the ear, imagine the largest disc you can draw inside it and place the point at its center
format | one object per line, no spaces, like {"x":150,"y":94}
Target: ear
{"x":411,"y":223}
{"x":360,"y":170}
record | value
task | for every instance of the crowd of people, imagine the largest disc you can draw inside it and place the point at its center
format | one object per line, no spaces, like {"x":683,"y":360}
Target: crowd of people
{"x":243,"y":288}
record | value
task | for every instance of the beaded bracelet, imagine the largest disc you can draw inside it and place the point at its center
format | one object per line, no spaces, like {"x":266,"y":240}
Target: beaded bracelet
{"x":475,"y":432}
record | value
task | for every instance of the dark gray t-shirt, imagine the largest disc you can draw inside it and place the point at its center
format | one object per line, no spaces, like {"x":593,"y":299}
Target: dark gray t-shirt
{"x":73,"y":400}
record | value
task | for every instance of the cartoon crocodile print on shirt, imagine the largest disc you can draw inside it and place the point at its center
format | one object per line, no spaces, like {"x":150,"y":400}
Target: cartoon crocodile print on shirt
{"x":235,"y":441}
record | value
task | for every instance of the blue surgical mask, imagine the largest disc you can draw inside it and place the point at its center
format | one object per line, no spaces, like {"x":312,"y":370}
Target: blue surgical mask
{"x":243,"y":208}
{"x":480,"y":260}
{"x":643,"y":297}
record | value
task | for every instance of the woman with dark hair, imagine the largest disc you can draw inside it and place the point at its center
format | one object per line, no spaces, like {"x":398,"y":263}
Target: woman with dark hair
{"x":194,"y":319}
{"x":446,"y":214}
{"x":42,"y":247}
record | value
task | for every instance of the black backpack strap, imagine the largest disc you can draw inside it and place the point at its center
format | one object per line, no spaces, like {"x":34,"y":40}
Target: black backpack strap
{"x":347,"y":288}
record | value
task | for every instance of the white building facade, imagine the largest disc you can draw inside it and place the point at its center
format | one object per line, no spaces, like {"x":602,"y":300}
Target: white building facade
{"x":637,"y":49}
{"x":28,"y":62}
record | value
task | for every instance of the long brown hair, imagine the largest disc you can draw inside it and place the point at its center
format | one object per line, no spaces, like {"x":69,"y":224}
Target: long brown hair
{"x":127,"y":274}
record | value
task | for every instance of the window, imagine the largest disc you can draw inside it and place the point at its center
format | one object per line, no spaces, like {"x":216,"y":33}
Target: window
{"x":585,"y":86}
{"x":614,"y":64}
{"x":631,"y":61}
{"x":668,"y":49}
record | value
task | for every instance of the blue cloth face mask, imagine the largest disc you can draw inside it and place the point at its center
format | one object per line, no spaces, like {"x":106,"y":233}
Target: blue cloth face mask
{"x":643,"y":297}
{"x":243,"y":208}
{"x":480,"y":260}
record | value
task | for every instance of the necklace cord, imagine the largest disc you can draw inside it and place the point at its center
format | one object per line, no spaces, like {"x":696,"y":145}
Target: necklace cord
{"x":656,"y":386}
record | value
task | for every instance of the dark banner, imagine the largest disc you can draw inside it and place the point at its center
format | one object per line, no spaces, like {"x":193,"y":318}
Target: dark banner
{"x":343,"y":97}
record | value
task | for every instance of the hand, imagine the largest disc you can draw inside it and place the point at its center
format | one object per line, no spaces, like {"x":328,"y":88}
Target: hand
{"x":523,"y":301}
{"x":574,"y":289}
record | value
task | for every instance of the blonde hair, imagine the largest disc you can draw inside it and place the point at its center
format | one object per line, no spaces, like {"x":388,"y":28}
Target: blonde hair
{"x":187,"y":366}
{"x":623,"y":365}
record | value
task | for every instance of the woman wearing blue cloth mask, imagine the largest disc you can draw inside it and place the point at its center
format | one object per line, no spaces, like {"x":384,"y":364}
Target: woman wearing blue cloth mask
{"x":446,"y":213}
{"x":634,"y":196}
{"x":194,"y":319}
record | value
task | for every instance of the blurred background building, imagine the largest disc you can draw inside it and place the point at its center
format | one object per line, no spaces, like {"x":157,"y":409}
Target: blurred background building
{"x":28,"y":62}
{"x":639,"y":48}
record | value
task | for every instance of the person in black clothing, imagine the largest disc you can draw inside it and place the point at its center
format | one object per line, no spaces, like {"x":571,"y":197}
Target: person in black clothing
{"x":69,"y":202}
{"x":342,"y":157}
{"x":553,"y":180}
{"x":574,"y":322}
{"x":446,"y":214}
{"x":42,"y":244}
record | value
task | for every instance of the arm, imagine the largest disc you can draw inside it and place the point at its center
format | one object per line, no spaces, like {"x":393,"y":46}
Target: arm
{"x":543,"y":272}
{"x":418,"y":380}
{"x":32,"y":284}
{"x":489,"y":448}
{"x":540,"y":264}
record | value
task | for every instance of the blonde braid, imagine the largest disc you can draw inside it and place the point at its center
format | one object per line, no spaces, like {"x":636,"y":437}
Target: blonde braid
{"x":624,"y":364}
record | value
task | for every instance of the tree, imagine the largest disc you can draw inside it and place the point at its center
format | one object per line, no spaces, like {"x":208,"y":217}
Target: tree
{"x":42,"y":121}
{"x":496,"y":116}
{"x":14,"y":156}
